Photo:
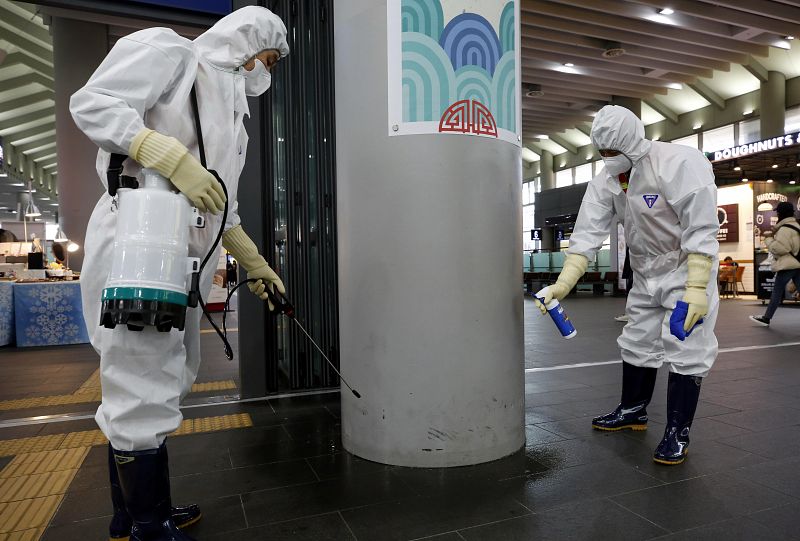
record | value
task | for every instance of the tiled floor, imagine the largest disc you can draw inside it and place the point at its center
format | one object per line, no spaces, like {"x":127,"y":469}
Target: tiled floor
{"x":288,"y":477}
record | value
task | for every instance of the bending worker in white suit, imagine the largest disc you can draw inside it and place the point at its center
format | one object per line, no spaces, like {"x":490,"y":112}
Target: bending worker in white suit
{"x":137,"y":104}
{"x":665,"y":196}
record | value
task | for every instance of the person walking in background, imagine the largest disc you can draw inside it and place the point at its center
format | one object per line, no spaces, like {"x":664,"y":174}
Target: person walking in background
{"x":783,"y":242}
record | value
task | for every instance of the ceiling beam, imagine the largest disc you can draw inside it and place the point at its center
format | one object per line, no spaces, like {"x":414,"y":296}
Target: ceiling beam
{"x":47,"y":158}
{"x":32,"y":134}
{"x":571,"y":93}
{"x":585,"y":129}
{"x":8,"y":17}
{"x":33,"y":145}
{"x":24,"y":101}
{"x":662,"y":109}
{"x":613,"y":34}
{"x":701,"y":88}
{"x":12,"y":83}
{"x":766,"y":8}
{"x":595,"y":54}
{"x":602,"y":17}
{"x":637,"y":53}
{"x":563,"y":101}
{"x":590,"y":83}
{"x":756,"y":69}
{"x":557,"y":139}
{"x":549,"y":107}
{"x":42,"y":117}
{"x":601,"y":71}
{"x":717,"y":13}
{"x":644,"y":13}
{"x":20,"y":58}
{"x":27,"y":45}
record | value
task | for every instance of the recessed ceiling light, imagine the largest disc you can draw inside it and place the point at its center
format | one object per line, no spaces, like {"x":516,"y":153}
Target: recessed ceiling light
{"x":17,"y":184}
{"x":569,"y":64}
{"x":656,"y":138}
{"x":790,"y":38}
{"x":3,"y":175}
{"x":747,"y":112}
{"x":697,"y":126}
{"x":792,"y":182}
{"x":774,"y":165}
{"x":770,"y":180}
{"x":675,"y":86}
{"x":541,"y":137}
{"x":666,"y":11}
{"x":745,"y":179}
{"x":737,"y":168}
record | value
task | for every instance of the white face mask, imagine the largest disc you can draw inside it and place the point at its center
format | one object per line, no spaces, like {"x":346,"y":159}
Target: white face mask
{"x":616,"y":165}
{"x":257,"y":80}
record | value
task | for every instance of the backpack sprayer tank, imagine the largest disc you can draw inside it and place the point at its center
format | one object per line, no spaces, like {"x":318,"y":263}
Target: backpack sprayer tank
{"x":152,"y":276}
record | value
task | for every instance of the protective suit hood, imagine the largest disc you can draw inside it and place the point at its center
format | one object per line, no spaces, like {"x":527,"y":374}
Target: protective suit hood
{"x":238,"y":37}
{"x":617,"y":128}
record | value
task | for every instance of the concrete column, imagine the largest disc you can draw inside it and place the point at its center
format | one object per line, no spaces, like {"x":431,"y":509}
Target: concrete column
{"x":634,"y":104}
{"x":548,"y":177}
{"x":773,"y":105}
{"x":78,"y":48}
{"x":430,"y":266}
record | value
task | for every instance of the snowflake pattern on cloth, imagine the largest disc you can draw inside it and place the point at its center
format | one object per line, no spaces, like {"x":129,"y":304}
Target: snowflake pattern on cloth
{"x":49,"y":314}
{"x":6,"y":313}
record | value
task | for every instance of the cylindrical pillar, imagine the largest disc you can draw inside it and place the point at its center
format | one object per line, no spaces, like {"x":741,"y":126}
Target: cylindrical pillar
{"x":430,"y":259}
{"x":78,"y":48}
{"x":773,"y":105}
{"x":546,"y":171}
{"x":633,"y":104}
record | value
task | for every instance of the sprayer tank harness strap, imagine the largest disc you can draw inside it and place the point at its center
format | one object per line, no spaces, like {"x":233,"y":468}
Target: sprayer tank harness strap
{"x":146,"y":81}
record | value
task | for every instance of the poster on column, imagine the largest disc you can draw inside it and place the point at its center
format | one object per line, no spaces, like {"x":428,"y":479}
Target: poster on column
{"x":454,"y":68}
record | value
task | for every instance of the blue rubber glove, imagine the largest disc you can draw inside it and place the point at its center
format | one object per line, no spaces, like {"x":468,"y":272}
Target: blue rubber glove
{"x":677,"y":319}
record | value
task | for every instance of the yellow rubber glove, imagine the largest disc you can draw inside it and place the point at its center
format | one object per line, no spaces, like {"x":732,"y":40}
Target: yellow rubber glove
{"x":173,"y":160}
{"x":236,"y":241}
{"x":696,"y":285}
{"x":574,"y":267}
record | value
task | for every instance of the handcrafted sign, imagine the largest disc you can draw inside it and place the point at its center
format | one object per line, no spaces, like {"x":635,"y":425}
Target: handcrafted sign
{"x":740,"y":151}
{"x":728,"y":216}
{"x":454,"y":68}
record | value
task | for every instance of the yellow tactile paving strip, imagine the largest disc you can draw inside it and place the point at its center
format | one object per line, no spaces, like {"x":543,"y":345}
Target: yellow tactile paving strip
{"x":90,"y":391}
{"x":34,"y":483}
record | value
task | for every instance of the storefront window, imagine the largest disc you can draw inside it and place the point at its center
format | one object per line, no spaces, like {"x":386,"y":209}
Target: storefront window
{"x":749,"y":131}
{"x":718,"y":139}
{"x":583,"y":173}
{"x":564,"y":178}
{"x":690,"y":141}
{"x":792,"y":123}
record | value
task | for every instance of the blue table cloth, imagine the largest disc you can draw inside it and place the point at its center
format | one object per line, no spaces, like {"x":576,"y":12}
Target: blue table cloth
{"x":49,"y":314}
{"x":6,"y":313}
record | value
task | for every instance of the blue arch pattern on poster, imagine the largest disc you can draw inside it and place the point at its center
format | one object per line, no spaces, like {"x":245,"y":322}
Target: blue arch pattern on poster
{"x":423,"y":16}
{"x":504,"y":93}
{"x":470,"y":40}
{"x":428,"y":78}
{"x":507,"y":27}
{"x":473,"y":83}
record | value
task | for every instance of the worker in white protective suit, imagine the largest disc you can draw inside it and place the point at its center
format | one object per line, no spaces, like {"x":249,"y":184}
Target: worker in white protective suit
{"x":665,"y":196}
{"x":138,"y":104}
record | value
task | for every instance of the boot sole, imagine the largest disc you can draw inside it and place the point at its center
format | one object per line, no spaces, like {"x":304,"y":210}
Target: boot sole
{"x":636,"y":428}
{"x":670,"y":462}
{"x":180,"y":526}
{"x":189,"y":523}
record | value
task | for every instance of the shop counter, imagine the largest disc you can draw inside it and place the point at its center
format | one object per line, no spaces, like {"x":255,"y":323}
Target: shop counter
{"x":6,"y":313}
{"x":49,"y":314}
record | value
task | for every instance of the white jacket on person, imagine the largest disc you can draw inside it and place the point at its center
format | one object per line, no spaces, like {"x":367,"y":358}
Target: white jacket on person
{"x":783,"y":244}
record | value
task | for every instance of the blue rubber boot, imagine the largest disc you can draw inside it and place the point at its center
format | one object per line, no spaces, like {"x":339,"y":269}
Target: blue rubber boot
{"x":120,"y":527}
{"x":142,"y":479}
{"x":683,"y":392}
{"x":631,"y":413}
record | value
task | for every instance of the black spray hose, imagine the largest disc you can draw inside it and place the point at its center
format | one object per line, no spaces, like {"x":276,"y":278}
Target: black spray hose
{"x":281,"y":304}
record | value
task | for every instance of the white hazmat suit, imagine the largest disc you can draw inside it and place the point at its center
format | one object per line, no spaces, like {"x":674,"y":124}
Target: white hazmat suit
{"x":145,"y":82}
{"x":669,"y":212}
